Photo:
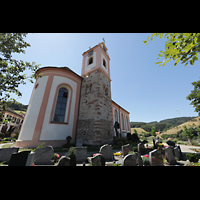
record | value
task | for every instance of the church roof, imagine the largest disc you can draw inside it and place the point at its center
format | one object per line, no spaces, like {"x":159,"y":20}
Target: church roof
{"x":120,"y":106}
{"x":65,"y":68}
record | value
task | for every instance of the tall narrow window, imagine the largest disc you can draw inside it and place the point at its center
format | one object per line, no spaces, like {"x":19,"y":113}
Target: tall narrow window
{"x":90,"y":60}
{"x":122,"y":121}
{"x":127,"y":124}
{"x":104,"y":63}
{"x":59,"y":115}
{"x":116,"y":116}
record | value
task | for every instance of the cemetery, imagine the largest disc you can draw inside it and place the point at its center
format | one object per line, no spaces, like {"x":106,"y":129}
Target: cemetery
{"x":139,"y":154}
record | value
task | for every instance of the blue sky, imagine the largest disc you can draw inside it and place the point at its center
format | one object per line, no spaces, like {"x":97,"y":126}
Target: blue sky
{"x":148,"y":92}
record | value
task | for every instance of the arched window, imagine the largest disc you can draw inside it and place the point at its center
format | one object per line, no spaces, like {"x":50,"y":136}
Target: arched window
{"x":59,"y":115}
{"x":122,"y":121}
{"x":90,"y":61}
{"x":127,"y":123}
{"x":104,"y":63}
{"x":116,"y":116}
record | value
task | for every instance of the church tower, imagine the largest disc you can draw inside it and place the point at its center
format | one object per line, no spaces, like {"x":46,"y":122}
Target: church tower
{"x":95,"y":123}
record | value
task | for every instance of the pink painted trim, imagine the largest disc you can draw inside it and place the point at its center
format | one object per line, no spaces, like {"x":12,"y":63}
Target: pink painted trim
{"x":43,"y":106}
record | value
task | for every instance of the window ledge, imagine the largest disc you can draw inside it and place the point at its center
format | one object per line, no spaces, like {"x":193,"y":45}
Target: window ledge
{"x":53,"y":122}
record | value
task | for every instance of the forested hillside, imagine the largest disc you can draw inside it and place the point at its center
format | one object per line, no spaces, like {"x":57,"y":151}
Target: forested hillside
{"x":17,"y":106}
{"x":162,"y":125}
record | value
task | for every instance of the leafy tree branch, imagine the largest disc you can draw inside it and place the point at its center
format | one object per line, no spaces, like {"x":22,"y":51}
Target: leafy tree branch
{"x":12,"y":70}
{"x":183,"y":47}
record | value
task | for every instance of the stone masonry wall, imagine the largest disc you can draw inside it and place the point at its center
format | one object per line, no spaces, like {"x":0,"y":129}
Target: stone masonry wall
{"x":95,"y":112}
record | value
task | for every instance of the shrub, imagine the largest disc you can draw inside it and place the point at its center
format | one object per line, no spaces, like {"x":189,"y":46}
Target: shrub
{"x":135,"y":149}
{"x":15,"y":136}
{"x":145,"y":161}
{"x":72,"y":155}
{"x":132,"y":137}
{"x":2,"y":135}
{"x":192,"y":157}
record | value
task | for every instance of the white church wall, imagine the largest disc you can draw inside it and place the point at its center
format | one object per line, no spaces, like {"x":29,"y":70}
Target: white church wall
{"x":33,"y":110}
{"x":55,"y":131}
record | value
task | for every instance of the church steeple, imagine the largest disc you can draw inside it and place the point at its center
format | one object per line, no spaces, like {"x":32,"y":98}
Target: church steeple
{"x":95,"y":111}
{"x":96,"y":58}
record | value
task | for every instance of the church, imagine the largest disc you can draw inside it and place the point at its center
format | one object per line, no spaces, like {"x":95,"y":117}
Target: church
{"x":65,"y":104}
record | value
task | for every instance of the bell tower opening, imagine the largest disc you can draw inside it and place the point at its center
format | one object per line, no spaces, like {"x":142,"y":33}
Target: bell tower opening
{"x":96,"y":58}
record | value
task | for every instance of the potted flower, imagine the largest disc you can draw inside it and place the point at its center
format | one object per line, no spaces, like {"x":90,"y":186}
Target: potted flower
{"x":56,"y":157}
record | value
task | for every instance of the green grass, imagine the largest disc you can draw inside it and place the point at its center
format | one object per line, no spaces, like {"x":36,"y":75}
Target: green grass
{"x":7,"y":145}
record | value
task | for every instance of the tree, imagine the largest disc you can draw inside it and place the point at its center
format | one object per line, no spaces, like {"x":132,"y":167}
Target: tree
{"x":184,"y":47}
{"x":153,"y":131}
{"x":179,"y":46}
{"x":135,"y":131}
{"x":194,"y":96}
{"x":188,"y":133}
{"x":12,"y":70}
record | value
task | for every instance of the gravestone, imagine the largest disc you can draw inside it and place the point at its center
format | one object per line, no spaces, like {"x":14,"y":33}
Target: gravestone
{"x":98,"y":160}
{"x":79,"y":142}
{"x":170,"y":156}
{"x":155,"y":158}
{"x":64,"y":161}
{"x":180,"y":151}
{"x":6,"y":153}
{"x":30,"y":159}
{"x":139,"y":159}
{"x":107,"y":152}
{"x":19,"y":158}
{"x":130,"y":160}
{"x":126,"y":148}
{"x":44,"y":155}
{"x":141,"y":148}
{"x":81,"y":154}
{"x":177,"y":153}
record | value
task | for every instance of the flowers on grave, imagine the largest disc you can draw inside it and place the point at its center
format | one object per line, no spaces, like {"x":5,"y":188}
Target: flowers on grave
{"x":95,"y":154}
{"x":160,"y":144}
{"x":146,"y":155}
{"x":118,"y":153}
{"x":56,"y":157}
{"x":33,"y":164}
{"x":169,"y":138}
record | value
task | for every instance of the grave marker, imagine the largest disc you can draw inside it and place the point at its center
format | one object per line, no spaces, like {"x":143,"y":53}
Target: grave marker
{"x":141,"y":148}
{"x":170,"y":156}
{"x":44,"y":155}
{"x":130,"y":160}
{"x":177,"y":153}
{"x":107,"y":152}
{"x":81,"y":154}
{"x":6,"y":153}
{"x":19,"y":158}
{"x":64,"y":161}
{"x":126,"y":148}
{"x":98,"y":160}
{"x":155,"y":158}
